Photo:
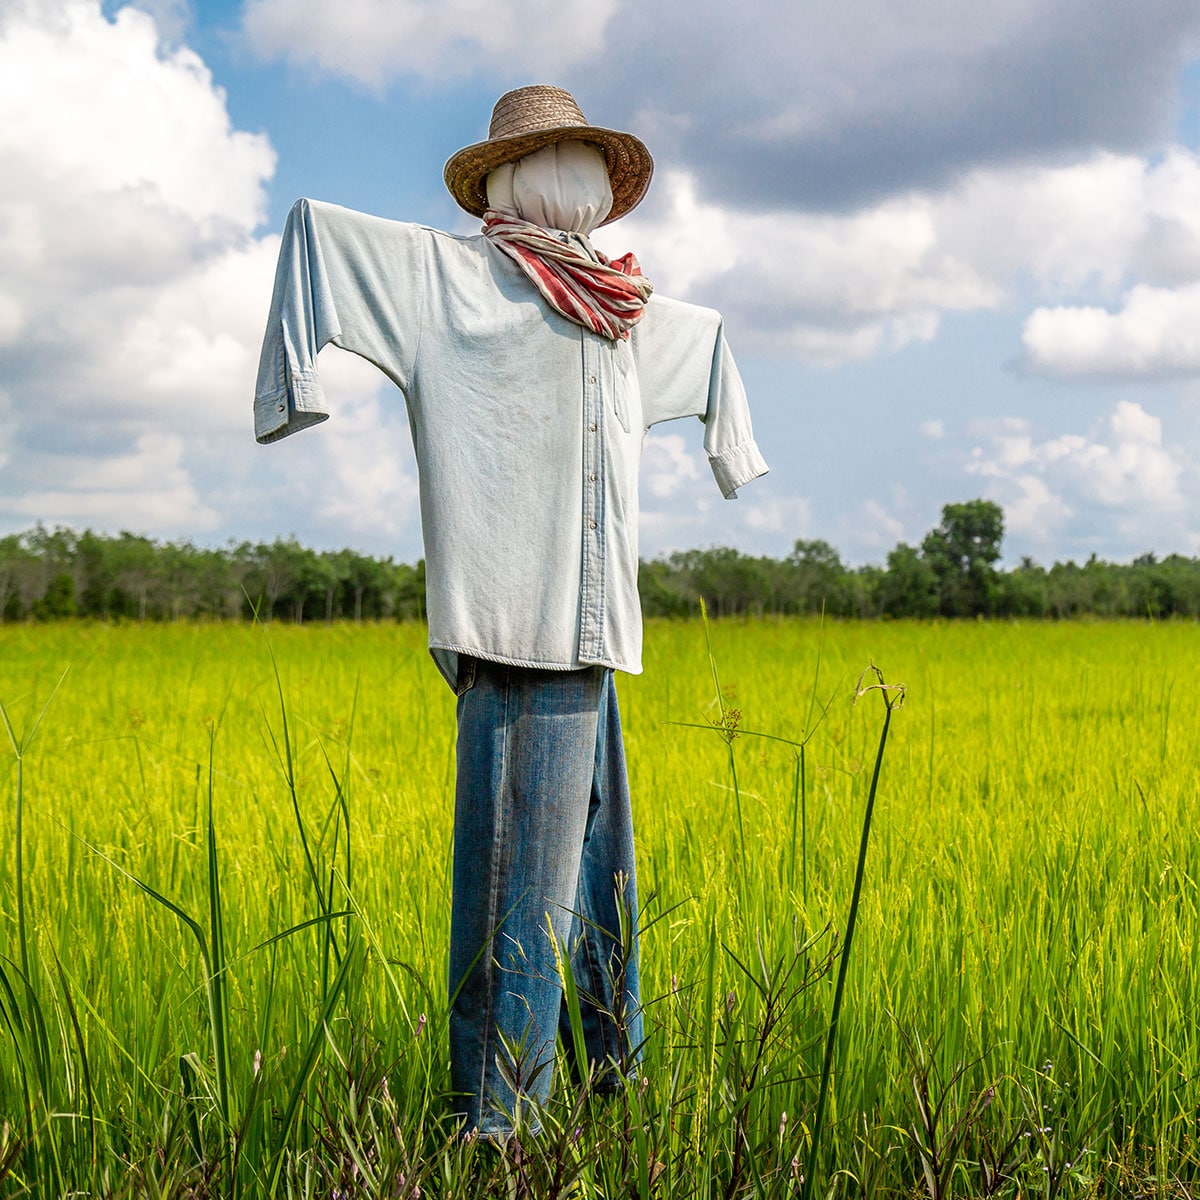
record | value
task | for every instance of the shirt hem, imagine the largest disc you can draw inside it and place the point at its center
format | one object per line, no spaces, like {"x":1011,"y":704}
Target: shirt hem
{"x":634,"y":668}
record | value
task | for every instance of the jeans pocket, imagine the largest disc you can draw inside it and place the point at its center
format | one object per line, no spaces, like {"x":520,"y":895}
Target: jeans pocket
{"x":466,"y":674}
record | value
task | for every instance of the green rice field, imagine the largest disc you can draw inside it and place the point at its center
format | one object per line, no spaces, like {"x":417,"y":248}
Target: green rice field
{"x":225,"y":898}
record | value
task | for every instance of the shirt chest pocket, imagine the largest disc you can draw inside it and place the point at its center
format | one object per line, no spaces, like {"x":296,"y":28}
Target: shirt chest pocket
{"x":627,"y":397}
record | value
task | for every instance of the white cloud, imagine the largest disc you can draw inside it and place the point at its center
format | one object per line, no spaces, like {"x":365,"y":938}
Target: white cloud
{"x":789,"y":516}
{"x":193,"y":346}
{"x":877,"y":527}
{"x":172,"y":17}
{"x":12,"y":319}
{"x":363,"y":465}
{"x":831,"y":288}
{"x":1119,"y":482}
{"x":147,"y":489}
{"x":1032,"y":509}
{"x":933,"y":429}
{"x":1156,"y":332}
{"x":134,"y":285}
{"x":373,"y":42}
{"x":92,"y":108}
{"x":668,"y":465}
{"x":1116,"y":226}
{"x":1085,"y":225}
{"x":828,"y":288}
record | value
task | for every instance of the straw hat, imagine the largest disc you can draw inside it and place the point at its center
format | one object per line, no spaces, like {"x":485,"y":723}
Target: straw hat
{"x":529,"y":118}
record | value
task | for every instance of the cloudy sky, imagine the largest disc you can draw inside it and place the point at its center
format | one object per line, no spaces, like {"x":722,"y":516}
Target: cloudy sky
{"x":957,"y":245}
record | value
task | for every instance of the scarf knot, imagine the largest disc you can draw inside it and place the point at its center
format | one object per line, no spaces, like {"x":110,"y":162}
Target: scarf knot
{"x":606,"y":296}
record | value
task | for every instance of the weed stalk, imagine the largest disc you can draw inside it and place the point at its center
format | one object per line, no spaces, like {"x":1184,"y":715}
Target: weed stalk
{"x":893,"y":698}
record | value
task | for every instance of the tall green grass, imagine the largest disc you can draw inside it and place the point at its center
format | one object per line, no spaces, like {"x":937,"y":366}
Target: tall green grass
{"x":223,"y":918}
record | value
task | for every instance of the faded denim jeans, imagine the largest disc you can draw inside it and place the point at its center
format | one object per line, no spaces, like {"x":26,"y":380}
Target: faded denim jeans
{"x":543,"y":852}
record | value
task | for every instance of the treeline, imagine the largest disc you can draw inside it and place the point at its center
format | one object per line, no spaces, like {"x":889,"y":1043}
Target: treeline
{"x":52,"y":574}
{"x":952,"y":573}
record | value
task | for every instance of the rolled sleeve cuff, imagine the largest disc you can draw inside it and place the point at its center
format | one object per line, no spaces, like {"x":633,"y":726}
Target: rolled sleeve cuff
{"x":736,"y":467}
{"x":278,"y":414}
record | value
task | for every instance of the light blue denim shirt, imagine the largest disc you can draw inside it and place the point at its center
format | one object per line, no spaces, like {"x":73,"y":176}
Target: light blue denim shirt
{"x":527,"y":428}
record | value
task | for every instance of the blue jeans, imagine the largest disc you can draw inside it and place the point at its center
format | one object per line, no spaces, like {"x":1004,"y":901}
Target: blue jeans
{"x":543,"y":854}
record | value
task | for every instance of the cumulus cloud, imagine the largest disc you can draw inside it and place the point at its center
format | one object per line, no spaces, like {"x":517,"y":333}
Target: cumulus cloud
{"x":1155,"y":333}
{"x":373,"y":42}
{"x":681,"y":507}
{"x":668,"y":465}
{"x":145,"y":487}
{"x":128,"y":205}
{"x":365,"y":470}
{"x":878,"y":527}
{"x":1120,"y":482}
{"x":787,"y":516}
{"x":91,"y":107}
{"x":1117,"y":227}
{"x":133,"y":291}
{"x":1089,"y":226}
{"x":827,"y":288}
{"x":835,"y":287}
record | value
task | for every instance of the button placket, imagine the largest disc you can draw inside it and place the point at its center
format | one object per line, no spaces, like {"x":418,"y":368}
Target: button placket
{"x":591,"y":631}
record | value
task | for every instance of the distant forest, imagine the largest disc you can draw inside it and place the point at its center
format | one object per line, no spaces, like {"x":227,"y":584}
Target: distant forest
{"x":54,"y":574}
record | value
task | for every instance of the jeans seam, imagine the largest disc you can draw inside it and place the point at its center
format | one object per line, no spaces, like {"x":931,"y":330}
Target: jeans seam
{"x":489,"y":960}
{"x":605,"y":1021}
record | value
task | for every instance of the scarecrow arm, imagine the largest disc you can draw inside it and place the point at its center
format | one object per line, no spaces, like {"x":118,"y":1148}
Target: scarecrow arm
{"x":346,"y":278}
{"x":685,"y":369}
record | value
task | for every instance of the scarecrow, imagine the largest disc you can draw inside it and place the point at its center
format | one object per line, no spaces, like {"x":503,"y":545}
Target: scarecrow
{"x":532,"y":367}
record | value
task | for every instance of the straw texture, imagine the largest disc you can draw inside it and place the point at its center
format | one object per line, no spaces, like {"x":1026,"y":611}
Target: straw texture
{"x":529,"y":118}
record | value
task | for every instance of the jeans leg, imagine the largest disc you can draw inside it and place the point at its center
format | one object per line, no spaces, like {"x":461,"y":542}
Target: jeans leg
{"x":526,"y":761}
{"x":604,"y":957}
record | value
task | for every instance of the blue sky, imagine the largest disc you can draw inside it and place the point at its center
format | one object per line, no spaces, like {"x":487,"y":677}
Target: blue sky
{"x":957,"y":247}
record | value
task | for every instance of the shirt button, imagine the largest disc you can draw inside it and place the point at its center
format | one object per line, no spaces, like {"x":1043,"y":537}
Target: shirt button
{"x":592,"y":428}
{"x":592,"y":477}
{"x":591,"y":524}
{"x":591,"y":379}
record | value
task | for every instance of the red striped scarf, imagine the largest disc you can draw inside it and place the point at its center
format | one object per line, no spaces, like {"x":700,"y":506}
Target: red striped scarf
{"x":606,"y":297}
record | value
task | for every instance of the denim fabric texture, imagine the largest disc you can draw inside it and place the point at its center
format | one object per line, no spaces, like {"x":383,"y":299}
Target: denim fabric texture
{"x":527,"y":428}
{"x":543,"y":854}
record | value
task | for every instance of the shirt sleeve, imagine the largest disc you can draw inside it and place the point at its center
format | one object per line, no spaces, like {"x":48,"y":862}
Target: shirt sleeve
{"x":343,"y":277}
{"x":685,"y":369}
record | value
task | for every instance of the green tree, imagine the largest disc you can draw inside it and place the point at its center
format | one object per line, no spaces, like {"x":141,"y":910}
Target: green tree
{"x":19,"y":569}
{"x":910,"y":586}
{"x":818,"y":578}
{"x":1024,"y":591}
{"x":963,"y":551}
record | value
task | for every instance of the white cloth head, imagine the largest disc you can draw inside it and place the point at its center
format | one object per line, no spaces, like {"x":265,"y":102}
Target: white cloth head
{"x":563,"y":186}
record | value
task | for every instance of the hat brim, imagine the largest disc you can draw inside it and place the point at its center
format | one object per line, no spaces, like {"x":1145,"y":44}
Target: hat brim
{"x":630,"y":166}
